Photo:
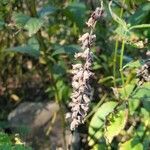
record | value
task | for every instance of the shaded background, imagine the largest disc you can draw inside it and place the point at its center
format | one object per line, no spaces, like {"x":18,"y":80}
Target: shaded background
{"x":37,"y":42}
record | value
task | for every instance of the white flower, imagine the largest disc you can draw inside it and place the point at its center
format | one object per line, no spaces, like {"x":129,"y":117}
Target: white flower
{"x":84,"y":37}
{"x":77,"y":66}
{"x":78,"y":75}
{"x":75,"y":85}
{"x":86,"y":98}
{"x":90,"y":22}
{"x":82,"y":91}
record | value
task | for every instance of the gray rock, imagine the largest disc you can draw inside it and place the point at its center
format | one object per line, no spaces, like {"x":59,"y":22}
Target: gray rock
{"x":39,"y":118}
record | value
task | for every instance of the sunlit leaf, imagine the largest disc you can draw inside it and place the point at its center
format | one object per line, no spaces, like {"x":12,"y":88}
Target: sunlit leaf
{"x":117,"y":122}
{"x":101,"y":146}
{"x":33,"y":25}
{"x":132,"y":144}
{"x":125,"y":91}
{"x":98,"y":120}
{"x":20,"y":19}
{"x":133,"y":64}
{"x":123,"y":33}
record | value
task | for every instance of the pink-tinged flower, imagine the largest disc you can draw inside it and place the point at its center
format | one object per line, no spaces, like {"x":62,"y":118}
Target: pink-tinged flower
{"x":82,"y":91}
{"x":94,"y":17}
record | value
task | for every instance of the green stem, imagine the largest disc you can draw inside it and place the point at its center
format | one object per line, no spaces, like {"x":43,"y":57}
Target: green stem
{"x":32,"y":8}
{"x":121,"y":62}
{"x":61,"y":109}
{"x":96,"y":107}
{"x":140,"y":26}
{"x":115,"y":51}
{"x":121,"y":65}
{"x":114,"y":62}
{"x":122,"y":6}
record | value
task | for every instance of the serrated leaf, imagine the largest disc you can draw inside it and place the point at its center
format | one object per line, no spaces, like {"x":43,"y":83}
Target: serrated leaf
{"x":97,"y":121}
{"x":46,"y":10}
{"x":125,"y":91}
{"x":132,"y":144}
{"x":133,"y":64}
{"x":20,"y":19}
{"x":116,"y":124}
{"x":33,"y":25}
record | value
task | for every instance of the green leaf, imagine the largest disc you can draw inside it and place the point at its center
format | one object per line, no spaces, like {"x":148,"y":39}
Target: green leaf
{"x":46,"y":10}
{"x":116,"y":18}
{"x":58,"y":70}
{"x":4,"y":2}
{"x":25,"y":49}
{"x":123,"y":33}
{"x":31,"y":48}
{"x":33,"y":25}
{"x":101,"y":146}
{"x":33,"y":42}
{"x":132,"y":144}
{"x":144,"y":115}
{"x":20,"y":19}
{"x":98,"y":120}
{"x":5,"y":147}
{"x":141,"y":94}
{"x":21,"y":147}
{"x":140,"y":14}
{"x":76,"y":13}
{"x":133,"y":64}
{"x":62,"y":90}
{"x":4,"y":139}
{"x":28,"y":23}
{"x":126,"y":91}
{"x":66,"y":49}
{"x":117,"y":122}
{"x":2,"y":23}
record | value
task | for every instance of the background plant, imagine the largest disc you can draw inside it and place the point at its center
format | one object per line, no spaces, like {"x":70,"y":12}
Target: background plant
{"x":37,"y":42}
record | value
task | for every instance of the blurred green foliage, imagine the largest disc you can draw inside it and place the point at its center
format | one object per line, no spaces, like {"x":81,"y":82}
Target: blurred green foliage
{"x":7,"y":144}
{"x":37,"y":42}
